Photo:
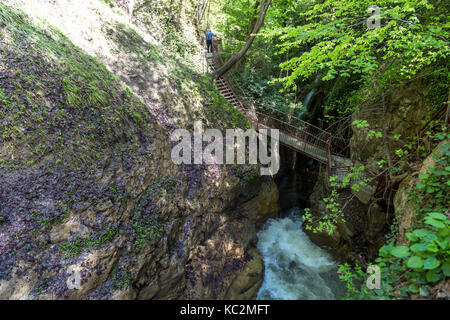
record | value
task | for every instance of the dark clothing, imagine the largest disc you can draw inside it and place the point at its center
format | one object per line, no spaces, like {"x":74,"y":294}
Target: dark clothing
{"x":209,"y":45}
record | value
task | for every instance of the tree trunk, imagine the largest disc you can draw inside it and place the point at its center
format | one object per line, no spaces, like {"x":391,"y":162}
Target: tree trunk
{"x":254,"y":20}
{"x":180,"y":8}
{"x":447,"y":115}
{"x":130,"y":9}
{"x":201,"y":11}
{"x":385,"y":136}
{"x":264,"y":6}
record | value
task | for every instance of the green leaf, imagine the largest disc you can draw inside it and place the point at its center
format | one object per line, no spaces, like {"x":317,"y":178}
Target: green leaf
{"x":384,"y":250}
{"x":446,"y":268}
{"x":412,"y":236}
{"x":444,"y":233}
{"x":431,"y":263}
{"x":426,"y":254}
{"x":437,"y":216}
{"x":430,"y":238}
{"x":433,"y":276}
{"x":414,"y":288}
{"x":423,"y":176}
{"x":421,"y":186}
{"x":418,"y":247}
{"x":432,"y":247}
{"x":400,"y":251}
{"x":421,"y":233}
{"x":443,"y":244}
{"x":435,"y":223}
{"x":415,"y":262}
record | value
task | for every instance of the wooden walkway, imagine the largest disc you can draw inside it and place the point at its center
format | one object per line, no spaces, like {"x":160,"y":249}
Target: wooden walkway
{"x":294,"y":133}
{"x":302,"y":137}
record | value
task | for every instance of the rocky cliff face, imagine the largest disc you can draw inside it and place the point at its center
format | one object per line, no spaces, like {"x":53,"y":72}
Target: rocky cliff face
{"x":91,"y":205}
{"x":361,"y":234}
{"x":158,"y":239}
{"x":405,"y":211}
{"x":400,"y":115}
{"x":220,"y":266}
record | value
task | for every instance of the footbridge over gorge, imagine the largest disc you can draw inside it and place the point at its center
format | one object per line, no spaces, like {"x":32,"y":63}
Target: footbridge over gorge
{"x":307,"y":139}
{"x":294,"y":133}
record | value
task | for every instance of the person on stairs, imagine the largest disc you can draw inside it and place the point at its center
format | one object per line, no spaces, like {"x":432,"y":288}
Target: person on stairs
{"x":209,"y":41}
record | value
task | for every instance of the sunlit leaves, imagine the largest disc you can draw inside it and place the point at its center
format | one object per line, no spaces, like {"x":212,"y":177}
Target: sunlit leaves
{"x":416,"y":266}
{"x":400,"y":251}
{"x":415,"y":262}
{"x":336,"y":39}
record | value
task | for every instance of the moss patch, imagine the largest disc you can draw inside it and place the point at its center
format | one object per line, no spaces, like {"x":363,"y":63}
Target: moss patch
{"x":59,"y":106}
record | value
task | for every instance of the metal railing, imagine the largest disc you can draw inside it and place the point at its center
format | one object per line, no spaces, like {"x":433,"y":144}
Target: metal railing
{"x":312,"y":141}
{"x":295,"y":133}
{"x":287,"y":123}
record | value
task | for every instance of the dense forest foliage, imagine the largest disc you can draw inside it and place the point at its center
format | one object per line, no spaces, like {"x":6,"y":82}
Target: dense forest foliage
{"x":303,"y":39}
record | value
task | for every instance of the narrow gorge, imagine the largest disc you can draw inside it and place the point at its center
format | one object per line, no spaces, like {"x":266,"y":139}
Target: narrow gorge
{"x":94,"y":206}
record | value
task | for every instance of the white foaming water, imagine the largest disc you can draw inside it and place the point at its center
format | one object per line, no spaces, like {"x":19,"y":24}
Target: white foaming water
{"x":295,"y":268}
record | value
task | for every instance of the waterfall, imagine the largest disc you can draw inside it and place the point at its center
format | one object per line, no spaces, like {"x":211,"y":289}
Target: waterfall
{"x":310,"y":95}
{"x":295,"y":268}
{"x":308,"y":98}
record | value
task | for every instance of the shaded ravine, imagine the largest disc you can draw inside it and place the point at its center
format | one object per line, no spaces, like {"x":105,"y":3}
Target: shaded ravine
{"x":295,"y":268}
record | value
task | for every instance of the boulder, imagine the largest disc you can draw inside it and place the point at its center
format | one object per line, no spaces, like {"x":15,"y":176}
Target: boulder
{"x":247,"y":283}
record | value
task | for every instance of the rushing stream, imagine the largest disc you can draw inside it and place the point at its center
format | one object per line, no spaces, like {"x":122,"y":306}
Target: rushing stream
{"x":295,"y":268}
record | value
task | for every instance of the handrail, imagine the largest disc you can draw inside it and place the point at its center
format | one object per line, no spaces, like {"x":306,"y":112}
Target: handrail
{"x":297,"y":128}
{"x":235,"y":84}
{"x":291,"y":119}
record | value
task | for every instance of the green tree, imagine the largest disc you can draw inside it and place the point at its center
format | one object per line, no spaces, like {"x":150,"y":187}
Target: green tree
{"x":413,"y":34}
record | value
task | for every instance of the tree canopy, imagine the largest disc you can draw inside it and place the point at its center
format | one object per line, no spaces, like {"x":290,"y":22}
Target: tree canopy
{"x":335,"y":38}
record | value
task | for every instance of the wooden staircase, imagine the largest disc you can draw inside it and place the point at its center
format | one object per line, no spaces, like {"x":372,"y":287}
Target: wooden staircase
{"x":222,"y":84}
